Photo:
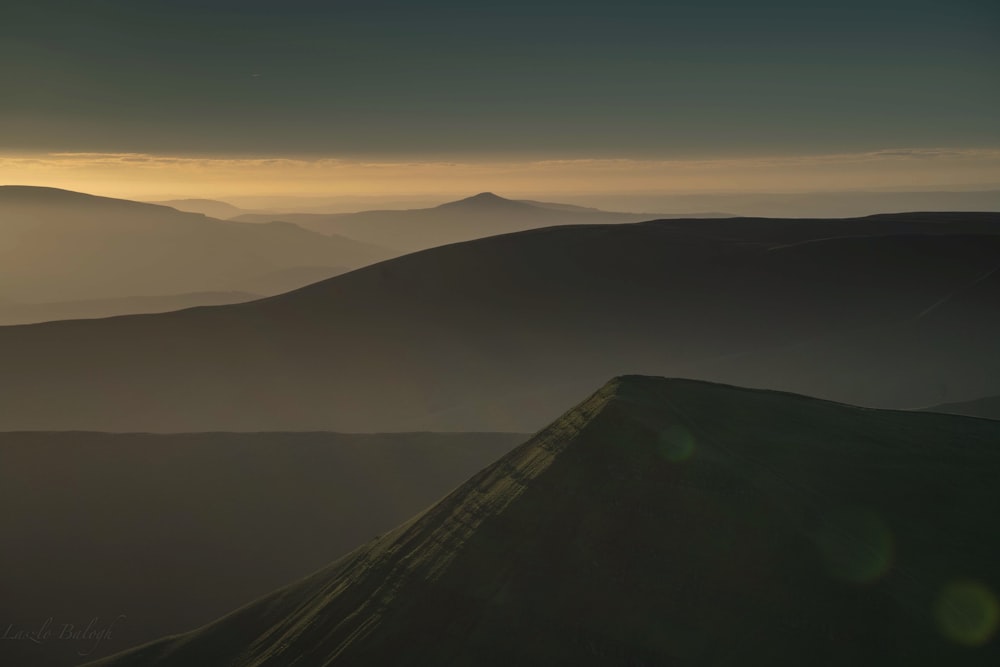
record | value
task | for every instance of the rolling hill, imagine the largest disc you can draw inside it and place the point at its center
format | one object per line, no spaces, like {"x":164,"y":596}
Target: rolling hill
{"x":173,"y":530}
{"x":485,"y":214}
{"x":59,"y":246}
{"x":502,"y":334}
{"x":666,"y":522}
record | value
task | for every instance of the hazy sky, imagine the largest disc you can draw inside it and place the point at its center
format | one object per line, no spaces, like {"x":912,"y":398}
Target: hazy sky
{"x":383,"y":81}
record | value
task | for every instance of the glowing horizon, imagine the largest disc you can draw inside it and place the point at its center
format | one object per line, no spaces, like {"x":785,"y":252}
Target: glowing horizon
{"x":145,"y":176}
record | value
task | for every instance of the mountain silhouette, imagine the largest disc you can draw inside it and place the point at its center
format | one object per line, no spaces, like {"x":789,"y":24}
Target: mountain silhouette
{"x":487,"y":200}
{"x":59,"y":246}
{"x":502,"y":334}
{"x":175,"y":530}
{"x":666,"y":522}
{"x":482,"y":215}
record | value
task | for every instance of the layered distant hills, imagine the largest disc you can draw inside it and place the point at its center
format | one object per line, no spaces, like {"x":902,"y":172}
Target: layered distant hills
{"x":58,"y":246}
{"x":825,"y":204}
{"x":68,"y":255}
{"x":171,"y":531}
{"x":504,"y":333}
{"x":666,"y":522}
{"x":485,"y":214}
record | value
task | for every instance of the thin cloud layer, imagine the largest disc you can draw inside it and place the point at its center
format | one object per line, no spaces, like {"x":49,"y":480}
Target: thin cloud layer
{"x":144,"y":175}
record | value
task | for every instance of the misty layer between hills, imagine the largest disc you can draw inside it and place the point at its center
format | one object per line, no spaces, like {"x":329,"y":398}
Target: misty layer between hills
{"x":74,"y":256}
{"x":172,"y":531}
{"x":60,"y":246}
{"x":485,"y":214}
{"x":504,"y":333}
{"x":825,"y":204}
{"x":666,"y":522}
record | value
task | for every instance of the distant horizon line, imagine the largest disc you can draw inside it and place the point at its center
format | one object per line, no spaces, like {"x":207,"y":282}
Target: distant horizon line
{"x":960,"y":188}
{"x":149,"y":177}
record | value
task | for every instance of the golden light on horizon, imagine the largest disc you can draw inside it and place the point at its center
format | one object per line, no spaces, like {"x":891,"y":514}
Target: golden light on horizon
{"x":137,"y":175}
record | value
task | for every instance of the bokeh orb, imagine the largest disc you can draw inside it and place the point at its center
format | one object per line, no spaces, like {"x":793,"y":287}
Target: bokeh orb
{"x":968,"y":612}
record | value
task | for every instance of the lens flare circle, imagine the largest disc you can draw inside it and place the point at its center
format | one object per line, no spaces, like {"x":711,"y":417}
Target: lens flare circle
{"x":968,"y":612}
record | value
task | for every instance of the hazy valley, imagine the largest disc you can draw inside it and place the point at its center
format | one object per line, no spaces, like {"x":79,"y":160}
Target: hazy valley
{"x":485,"y":214}
{"x":505,"y":333}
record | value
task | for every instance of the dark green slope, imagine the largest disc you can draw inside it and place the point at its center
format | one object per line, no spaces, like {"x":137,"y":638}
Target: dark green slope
{"x":667,"y":522}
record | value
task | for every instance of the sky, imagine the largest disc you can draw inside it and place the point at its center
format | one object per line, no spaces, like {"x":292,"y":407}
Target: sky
{"x":215,"y":97}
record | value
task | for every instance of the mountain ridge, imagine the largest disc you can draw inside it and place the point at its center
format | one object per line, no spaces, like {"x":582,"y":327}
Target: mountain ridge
{"x":479,"y":216}
{"x":486,"y":199}
{"x":35,"y":194}
{"x":502,"y":333}
{"x":563,"y":551}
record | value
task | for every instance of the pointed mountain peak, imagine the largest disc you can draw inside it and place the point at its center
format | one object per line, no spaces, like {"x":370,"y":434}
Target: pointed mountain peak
{"x":485,"y":200}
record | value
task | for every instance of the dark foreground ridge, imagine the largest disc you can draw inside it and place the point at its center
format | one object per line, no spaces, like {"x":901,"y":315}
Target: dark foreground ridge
{"x":666,"y":522}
